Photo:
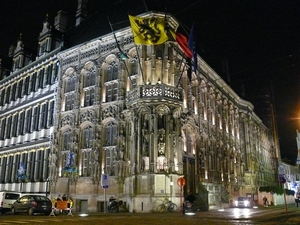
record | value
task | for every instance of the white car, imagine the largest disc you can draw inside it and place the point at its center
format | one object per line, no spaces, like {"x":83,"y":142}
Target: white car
{"x":242,"y":202}
{"x":7,"y":198}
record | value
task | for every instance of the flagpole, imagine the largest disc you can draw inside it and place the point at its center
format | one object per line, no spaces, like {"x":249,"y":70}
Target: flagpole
{"x":123,"y":55}
{"x":138,"y":55}
{"x":180,"y":74}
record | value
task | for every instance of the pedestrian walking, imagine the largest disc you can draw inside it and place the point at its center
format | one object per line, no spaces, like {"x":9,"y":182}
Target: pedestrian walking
{"x":265,"y":201}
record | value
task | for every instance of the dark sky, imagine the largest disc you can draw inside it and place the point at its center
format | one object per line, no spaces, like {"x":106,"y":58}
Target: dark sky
{"x":259,"y":40}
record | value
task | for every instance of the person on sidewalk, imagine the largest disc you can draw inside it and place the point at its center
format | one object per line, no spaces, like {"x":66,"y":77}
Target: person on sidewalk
{"x":265,"y":201}
{"x":189,"y":201}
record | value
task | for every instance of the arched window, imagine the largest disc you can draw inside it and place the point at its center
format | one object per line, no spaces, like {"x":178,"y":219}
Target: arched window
{"x":112,"y":71}
{"x":89,"y":86}
{"x":70,"y":83}
{"x":90,"y":77}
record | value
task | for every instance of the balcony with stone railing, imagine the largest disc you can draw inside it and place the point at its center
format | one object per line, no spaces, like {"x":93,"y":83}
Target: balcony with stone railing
{"x":154,"y":92}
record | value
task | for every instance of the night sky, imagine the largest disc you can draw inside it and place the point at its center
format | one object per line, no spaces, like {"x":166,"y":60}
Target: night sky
{"x":259,"y":40}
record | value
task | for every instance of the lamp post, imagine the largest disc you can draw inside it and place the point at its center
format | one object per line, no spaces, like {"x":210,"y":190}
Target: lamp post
{"x":47,"y":186}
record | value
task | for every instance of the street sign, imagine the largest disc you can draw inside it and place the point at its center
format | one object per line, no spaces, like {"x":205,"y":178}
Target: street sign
{"x":104,"y":181}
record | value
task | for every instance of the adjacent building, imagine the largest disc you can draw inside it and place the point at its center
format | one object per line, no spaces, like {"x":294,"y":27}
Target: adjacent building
{"x":134,"y":113}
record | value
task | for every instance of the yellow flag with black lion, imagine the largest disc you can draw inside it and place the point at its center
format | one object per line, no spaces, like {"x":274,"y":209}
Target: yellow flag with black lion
{"x":148,"y":31}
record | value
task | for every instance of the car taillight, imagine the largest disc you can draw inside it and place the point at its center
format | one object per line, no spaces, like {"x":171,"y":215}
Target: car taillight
{"x":1,"y":204}
{"x":34,"y":203}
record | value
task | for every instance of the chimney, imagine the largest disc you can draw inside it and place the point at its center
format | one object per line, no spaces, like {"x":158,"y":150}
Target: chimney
{"x":60,"y":21}
{"x":81,"y":13}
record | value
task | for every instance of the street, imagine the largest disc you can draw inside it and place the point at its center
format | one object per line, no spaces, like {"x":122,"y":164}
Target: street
{"x":274,"y":215}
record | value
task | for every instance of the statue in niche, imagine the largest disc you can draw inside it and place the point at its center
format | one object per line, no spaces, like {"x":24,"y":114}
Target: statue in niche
{"x":161,"y":145}
{"x":52,"y":160}
{"x":161,"y":162}
{"x":145,"y":139}
{"x":145,"y":148}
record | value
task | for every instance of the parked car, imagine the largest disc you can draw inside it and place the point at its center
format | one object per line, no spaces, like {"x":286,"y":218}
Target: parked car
{"x":32,"y":204}
{"x":242,"y":202}
{"x":7,"y":198}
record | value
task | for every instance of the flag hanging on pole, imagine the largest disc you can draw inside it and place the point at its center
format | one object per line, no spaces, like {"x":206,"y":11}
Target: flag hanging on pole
{"x":191,"y":44}
{"x":148,"y":31}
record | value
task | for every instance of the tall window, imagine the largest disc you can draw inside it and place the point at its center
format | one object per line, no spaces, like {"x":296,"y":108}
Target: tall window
{"x":44,"y":115}
{"x":14,"y":92}
{"x":41,"y":78}
{"x":26,"y":86}
{"x":35,"y":119}
{"x":111,"y":132}
{"x":112,"y":92}
{"x":8,"y":127}
{"x":86,"y":158}
{"x":7,"y":94}
{"x":33,"y":82}
{"x":3,"y":171}
{"x":21,"y":123}
{"x":70,"y":82}
{"x":2,"y":130}
{"x":31,"y":166}
{"x":88,"y":136}
{"x":90,"y":77}
{"x":9,"y":169}
{"x":89,"y":97}
{"x":69,"y":105}
{"x":15,"y":125}
{"x":28,"y":121}
{"x":39,"y":165}
{"x":89,"y":84}
{"x":19,"y":91}
{"x":67,"y":140}
{"x":112,"y":71}
{"x":2,"y":95}
{"x":51,"y":114}
{"x":49,"y":74}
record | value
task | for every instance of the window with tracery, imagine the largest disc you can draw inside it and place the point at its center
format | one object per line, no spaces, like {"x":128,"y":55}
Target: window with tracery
{"x":70,"y":83}
{"x":87,"y":137}
{"x":111,"y":92}
{"x":110,"y":134}
{"x":86,"y":165}
{"x":112,"y":71}
{"x":66,"y":140}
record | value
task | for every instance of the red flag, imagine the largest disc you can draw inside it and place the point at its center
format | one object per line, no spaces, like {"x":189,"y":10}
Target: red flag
{"x":183,"y":43}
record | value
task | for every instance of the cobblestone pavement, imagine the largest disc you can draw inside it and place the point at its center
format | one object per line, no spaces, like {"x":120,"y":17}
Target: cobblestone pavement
{"x":275,"y":215}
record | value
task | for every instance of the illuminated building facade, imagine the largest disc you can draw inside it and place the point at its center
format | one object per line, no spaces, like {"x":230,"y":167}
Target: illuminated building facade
{"x":74,"y":114}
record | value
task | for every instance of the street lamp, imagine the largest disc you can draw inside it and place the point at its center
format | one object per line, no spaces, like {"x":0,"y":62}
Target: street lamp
{"x":47,"y":186}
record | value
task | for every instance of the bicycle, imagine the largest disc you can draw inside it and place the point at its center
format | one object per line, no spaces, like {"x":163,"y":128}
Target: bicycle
{"x":167,"y":206}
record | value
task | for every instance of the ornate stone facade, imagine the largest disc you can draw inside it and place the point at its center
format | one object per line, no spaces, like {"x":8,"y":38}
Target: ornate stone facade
{"x":139,"y":120}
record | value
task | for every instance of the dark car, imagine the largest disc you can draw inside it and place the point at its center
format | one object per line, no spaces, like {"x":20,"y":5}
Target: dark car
{"x":32,"y":204}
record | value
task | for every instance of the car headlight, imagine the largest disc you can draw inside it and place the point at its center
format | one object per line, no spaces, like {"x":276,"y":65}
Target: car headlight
{"x":246,"y":203}
{"x":236,"y":203}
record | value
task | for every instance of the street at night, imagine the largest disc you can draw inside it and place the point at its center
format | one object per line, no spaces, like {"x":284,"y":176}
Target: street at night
{"x":273,"y":215}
